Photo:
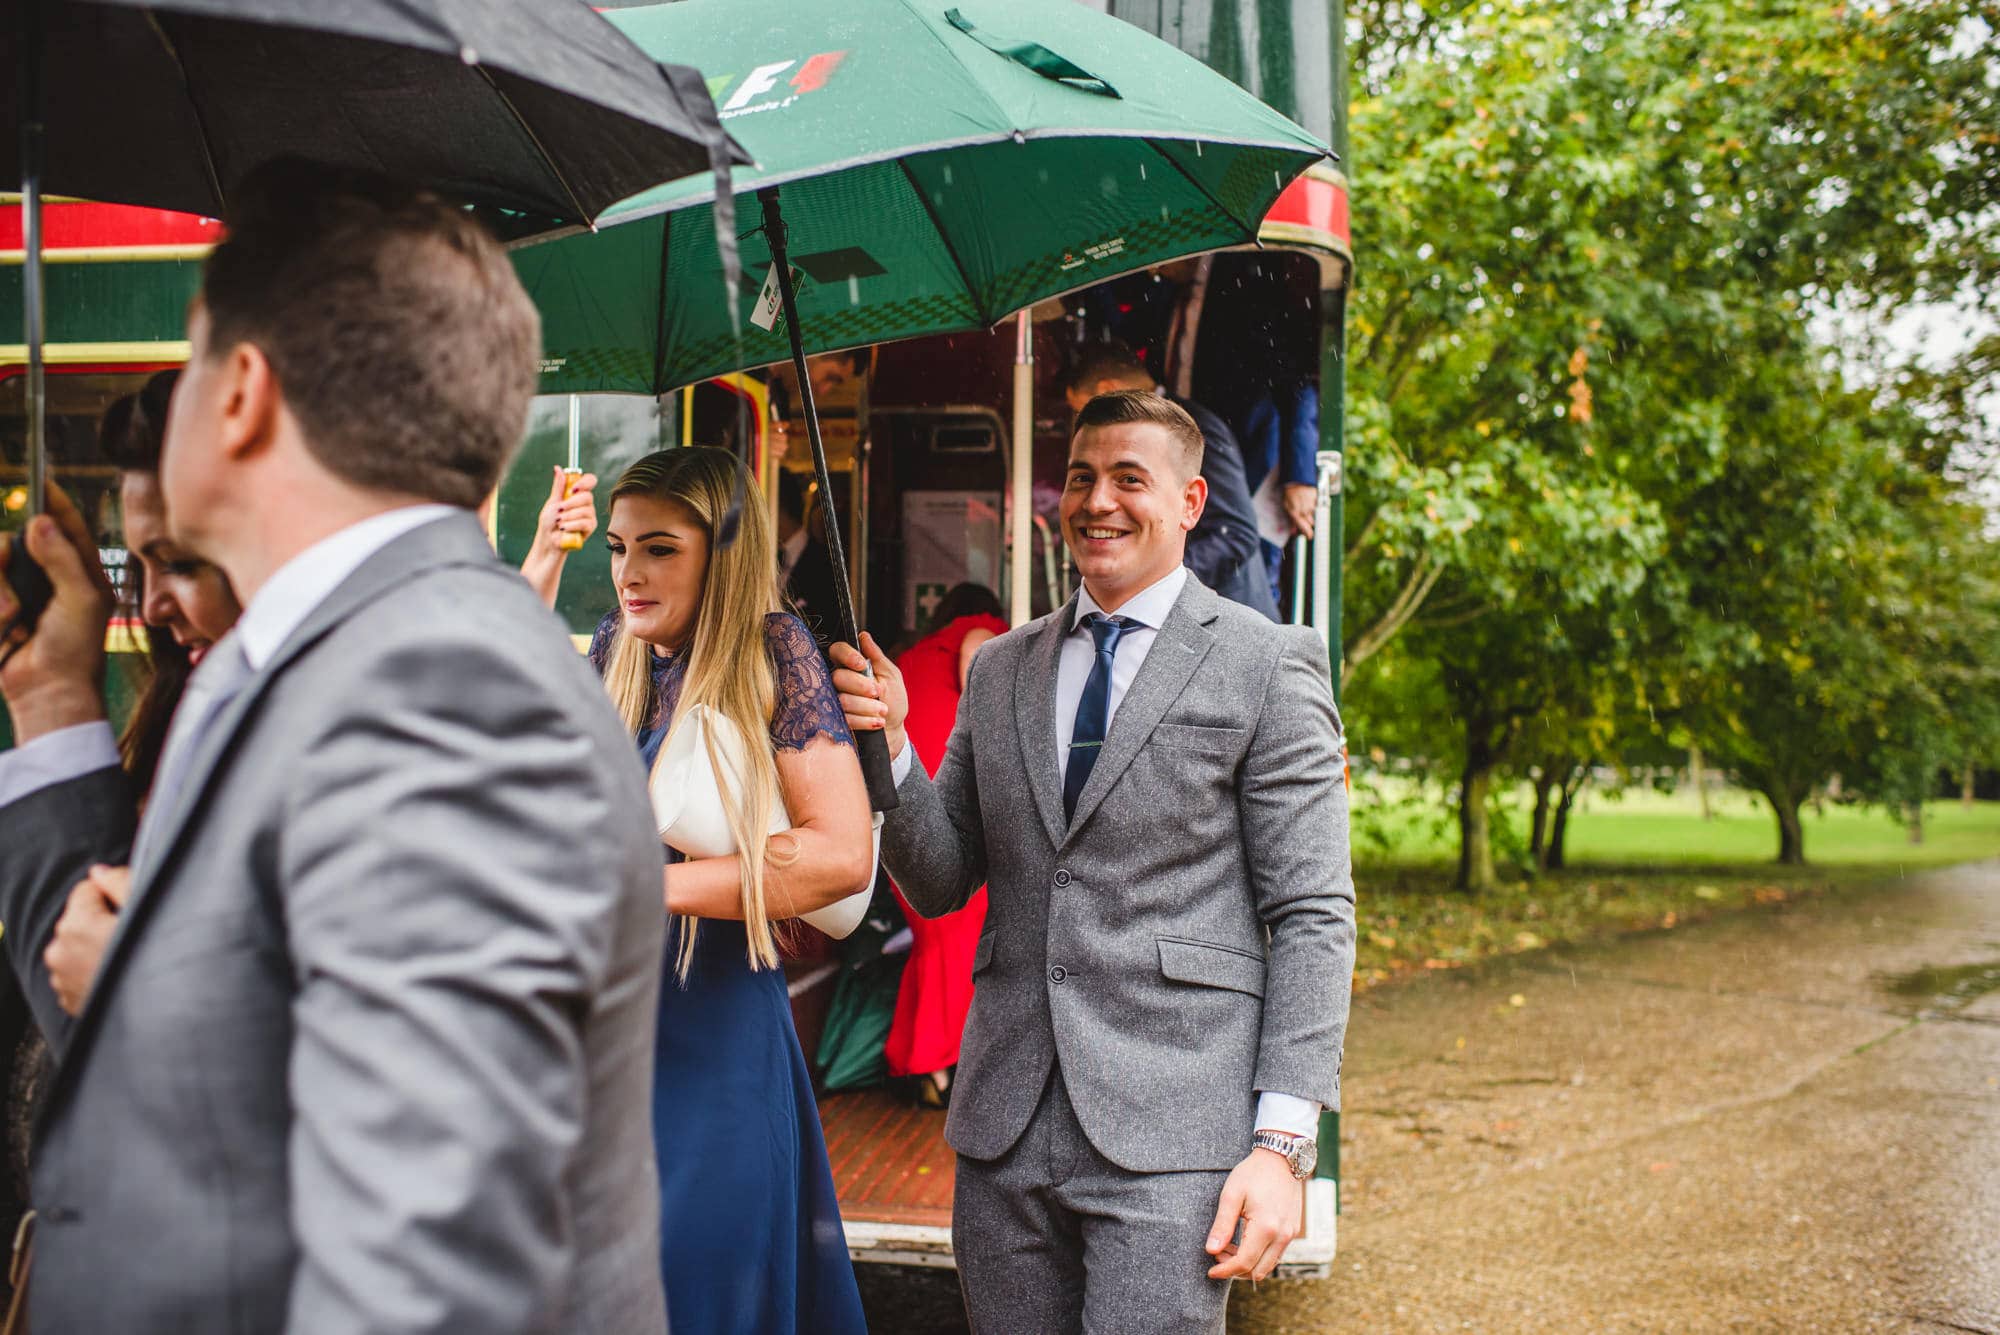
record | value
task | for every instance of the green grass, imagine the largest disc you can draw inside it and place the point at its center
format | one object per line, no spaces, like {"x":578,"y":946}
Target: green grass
{"x":1638,"y":861}
{"x":1397,"y":825}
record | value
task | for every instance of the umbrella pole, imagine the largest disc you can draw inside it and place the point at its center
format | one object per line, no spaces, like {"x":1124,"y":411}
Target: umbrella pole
{"x":872,"y":747}
{"x":30,"y":584}
{"x":1020,"y":536}
{"x":32,"y":111}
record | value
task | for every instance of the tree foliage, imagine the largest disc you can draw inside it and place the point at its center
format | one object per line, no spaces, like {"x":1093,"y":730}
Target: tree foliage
{"x":1604,"y":475}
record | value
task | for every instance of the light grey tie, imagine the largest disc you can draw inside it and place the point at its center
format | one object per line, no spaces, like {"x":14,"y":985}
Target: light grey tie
{"x":221,"y":678}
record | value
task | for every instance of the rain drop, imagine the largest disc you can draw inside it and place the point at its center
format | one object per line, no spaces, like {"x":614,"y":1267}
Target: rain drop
{"x":853,"y":290}
{"x":468,"y":55}
{"x":1142,"y":171}
{"x":947,"y":173}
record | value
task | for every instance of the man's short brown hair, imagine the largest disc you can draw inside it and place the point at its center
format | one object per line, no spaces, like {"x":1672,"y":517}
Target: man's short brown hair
{"x":1145,"y":405}
{"x":401,"y":339}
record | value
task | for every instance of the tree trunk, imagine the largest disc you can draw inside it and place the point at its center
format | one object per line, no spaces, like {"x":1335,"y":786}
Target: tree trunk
{"x":1913,"y":821}
{"x":1556,"y":856}
{"x":1538,"y":825}
{"x":1475,"y":837}
{"x":1965,"y":784}
{"x":1698,"y":766}
{"x":1791,"y":835}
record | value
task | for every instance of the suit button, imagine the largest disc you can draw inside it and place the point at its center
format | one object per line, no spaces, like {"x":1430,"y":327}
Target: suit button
{"x":1062,"y":878}
{"x":1057,"y":974}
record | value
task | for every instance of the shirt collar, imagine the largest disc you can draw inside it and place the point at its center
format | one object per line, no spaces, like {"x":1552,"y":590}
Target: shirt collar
{"x":304,"y":582}
{"x":792,"y":548}
{"x":1149,"y":607}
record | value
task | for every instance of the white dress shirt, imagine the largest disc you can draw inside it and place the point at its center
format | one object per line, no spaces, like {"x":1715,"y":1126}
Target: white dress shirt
{"x":291,"y":595}
{"x":1148,"y":609}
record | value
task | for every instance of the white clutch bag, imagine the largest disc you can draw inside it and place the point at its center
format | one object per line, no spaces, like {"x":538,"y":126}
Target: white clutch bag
{"x":687,"y":798}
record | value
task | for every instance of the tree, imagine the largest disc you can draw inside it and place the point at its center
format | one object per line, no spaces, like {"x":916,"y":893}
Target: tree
{"x":1555,"y":190}
{"x":1599,"y":233}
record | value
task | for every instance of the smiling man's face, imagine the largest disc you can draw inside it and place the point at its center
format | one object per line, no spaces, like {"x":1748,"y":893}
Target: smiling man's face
{"x":1126,"y":508}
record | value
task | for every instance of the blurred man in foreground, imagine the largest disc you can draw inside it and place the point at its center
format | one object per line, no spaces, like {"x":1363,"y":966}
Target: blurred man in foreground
{"x":371,"y":1049}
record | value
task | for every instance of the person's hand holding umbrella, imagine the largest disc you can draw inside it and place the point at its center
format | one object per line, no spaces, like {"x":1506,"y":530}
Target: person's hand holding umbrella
{"x":878,"y":703}
{"x":567,"y":519}
{"x":50,"y":678}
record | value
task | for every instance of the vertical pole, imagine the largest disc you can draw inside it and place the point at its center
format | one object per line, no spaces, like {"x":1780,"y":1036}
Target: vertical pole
{"x":29,"y":582}
{"x":1331,"y":542}
{"x":1330,"y":525}
{"x":1021,"y":504}
{"x":33,"y":331}
{"x":567,"y":541}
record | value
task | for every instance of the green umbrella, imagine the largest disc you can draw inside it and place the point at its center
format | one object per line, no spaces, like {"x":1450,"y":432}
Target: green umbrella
{"x":943,"y":163}
{"x":921,"y":168}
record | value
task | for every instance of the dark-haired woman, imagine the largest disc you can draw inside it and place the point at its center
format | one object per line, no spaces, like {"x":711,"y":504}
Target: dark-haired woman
{"x":936,"y":990}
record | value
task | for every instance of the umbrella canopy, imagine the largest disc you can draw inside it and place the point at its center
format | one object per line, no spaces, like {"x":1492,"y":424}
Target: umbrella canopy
{"x":540,"y":111}
{"x":536,"y":108}
{"x":938,"y":170}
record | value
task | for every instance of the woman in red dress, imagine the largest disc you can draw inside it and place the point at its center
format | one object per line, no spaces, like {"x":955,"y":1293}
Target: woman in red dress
{"x":937,"y":981}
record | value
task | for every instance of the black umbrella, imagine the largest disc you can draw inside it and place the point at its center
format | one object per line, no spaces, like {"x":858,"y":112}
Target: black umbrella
{"x":537,"y":110}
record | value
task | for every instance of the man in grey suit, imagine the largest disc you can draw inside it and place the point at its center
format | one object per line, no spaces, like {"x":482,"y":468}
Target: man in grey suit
{"x":1151,"y":781}
{"x":372,"y":1047}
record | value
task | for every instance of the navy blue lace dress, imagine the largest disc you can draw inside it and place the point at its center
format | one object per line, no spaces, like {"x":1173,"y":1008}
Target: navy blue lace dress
{"x":750,"y":1236}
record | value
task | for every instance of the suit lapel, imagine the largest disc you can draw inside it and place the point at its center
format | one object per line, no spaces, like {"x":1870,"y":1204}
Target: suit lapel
{"x":1035,"y":717}
{"x":1183,"y":641}
{"x":444,"y":542}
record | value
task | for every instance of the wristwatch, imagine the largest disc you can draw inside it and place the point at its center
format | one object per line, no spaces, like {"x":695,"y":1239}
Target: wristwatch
{"x":1300,"y":1153}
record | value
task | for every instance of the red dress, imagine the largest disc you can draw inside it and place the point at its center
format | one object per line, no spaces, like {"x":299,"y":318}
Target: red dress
{"x":937,"y":980}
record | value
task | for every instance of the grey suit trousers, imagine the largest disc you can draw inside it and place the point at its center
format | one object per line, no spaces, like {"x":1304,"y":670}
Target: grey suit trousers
{"x":1052,"y":1238}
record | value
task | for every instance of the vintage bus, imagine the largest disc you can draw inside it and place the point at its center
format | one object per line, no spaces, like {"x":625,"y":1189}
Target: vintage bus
{"x":947,"y":456}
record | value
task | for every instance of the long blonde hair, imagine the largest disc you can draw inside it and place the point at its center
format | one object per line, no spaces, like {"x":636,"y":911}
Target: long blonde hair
{"x":729,"y":667}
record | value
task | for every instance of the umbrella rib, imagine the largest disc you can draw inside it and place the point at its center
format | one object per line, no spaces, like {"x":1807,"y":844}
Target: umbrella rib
{"x":582,"y":213}
{"x":207,"y":159}
{"x":944,"y":238}
{"x":660,"y":311}
{"x":1248,"y":231}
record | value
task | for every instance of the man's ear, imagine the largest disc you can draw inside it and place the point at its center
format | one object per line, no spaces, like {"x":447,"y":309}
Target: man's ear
{"x":1194,"y":499}
{"x":252,"y":403}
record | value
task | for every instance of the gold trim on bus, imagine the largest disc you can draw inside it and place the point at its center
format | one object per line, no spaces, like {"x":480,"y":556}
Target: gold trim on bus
{"x":194,"y":250}
{"x":75,"y":354}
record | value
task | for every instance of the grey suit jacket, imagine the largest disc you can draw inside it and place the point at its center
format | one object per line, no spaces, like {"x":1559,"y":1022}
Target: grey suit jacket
{"x":1188,"y":938}
{"x":372,"y":1048}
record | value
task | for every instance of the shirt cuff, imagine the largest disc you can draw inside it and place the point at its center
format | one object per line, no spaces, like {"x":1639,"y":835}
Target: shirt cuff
{"x":56,"y":757}
{"x":899,"y":767}
{"x":1288,"y":1113}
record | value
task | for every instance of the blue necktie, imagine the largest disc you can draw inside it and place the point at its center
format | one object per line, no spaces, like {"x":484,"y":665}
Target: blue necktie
{"x":1092,"y":711}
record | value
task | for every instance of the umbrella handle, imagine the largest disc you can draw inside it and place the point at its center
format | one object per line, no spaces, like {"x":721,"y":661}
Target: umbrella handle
{"x":31,"y":587}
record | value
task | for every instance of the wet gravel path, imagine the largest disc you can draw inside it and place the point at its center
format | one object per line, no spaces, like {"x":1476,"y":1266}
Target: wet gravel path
{"x":1783,"y":1121}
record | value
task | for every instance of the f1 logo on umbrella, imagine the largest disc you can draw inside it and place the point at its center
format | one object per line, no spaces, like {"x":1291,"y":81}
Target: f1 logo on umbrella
{"x":811,"y":77}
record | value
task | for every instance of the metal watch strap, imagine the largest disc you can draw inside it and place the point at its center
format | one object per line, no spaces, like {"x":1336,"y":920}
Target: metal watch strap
{"x":1298,"y":1152}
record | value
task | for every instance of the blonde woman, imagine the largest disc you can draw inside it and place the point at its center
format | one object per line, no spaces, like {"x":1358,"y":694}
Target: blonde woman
{"x":750,"y":1237}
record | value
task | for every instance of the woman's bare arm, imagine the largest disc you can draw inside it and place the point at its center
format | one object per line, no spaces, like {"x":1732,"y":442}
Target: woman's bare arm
{"x":830,"y":824}
{"x":966,"y":649}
